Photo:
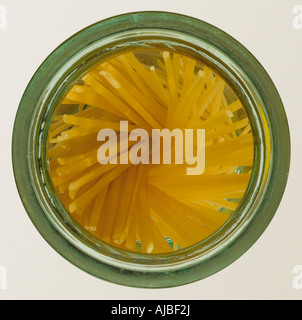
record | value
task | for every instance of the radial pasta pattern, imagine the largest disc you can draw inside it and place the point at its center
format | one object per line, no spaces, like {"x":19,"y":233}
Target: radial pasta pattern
{"x":150,"y":208}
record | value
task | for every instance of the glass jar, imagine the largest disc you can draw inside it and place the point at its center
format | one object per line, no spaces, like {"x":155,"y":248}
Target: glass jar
{"x":245,"y":76}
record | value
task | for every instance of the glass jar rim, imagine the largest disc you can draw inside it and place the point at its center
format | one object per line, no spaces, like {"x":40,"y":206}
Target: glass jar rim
{"x":113,"y":28}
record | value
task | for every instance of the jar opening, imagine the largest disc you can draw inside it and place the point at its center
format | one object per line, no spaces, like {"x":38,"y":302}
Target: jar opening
{"x":129,"y":191}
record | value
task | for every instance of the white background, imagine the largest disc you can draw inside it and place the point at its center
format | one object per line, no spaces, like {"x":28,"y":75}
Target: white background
{"x":34,"y":29}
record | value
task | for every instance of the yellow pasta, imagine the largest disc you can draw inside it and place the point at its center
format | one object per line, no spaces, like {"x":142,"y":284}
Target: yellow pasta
{"x":150,"y":208}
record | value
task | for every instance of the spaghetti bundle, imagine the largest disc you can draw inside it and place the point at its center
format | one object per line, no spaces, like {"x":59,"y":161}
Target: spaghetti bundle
{"x":150,"y":208}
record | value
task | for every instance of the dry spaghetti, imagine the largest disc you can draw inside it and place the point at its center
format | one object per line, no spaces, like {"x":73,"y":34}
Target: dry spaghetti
{"x":150,"y":208}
